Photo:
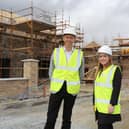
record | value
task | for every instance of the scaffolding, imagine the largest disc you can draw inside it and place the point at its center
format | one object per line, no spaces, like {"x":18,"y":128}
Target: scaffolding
{"x":30,"y":33}
{"x":120,"y":57}
{"x":62,"y":24}
{"x":26,"y":33}
{"x":123,"y":55}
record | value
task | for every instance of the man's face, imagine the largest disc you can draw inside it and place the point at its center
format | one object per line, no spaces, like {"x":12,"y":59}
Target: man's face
{"x":69,"y":39}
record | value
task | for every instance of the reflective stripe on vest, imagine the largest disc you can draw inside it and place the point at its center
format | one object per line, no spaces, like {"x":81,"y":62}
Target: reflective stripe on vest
{"x":68,"y":83}
{"x":104,"y":101}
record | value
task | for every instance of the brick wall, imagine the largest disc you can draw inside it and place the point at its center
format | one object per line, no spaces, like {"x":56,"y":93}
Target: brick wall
{"x":12,"y":87}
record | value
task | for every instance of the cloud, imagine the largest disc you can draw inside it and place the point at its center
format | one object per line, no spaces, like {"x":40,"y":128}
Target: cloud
{"x":101,"y":19}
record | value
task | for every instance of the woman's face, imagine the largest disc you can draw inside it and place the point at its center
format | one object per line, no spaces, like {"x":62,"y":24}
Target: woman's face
{"x":104,"y":59}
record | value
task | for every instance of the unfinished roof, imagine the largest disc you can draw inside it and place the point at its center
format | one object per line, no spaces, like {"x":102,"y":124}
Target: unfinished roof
{"x":92,"y":45}
{"x":124,"y":44}
{"x":121,"y":38}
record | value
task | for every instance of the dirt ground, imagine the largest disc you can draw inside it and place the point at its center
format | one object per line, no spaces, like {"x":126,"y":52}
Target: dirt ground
{"x":31,"y":114}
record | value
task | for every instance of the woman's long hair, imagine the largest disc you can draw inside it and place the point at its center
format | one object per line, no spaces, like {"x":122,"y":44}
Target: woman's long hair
{"x":100,"y":67}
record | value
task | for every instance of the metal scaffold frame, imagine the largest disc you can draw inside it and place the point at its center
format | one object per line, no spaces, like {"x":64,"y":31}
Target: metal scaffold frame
{"x":28,"y":25}
{"x":31,"y":33}
{"x":62,"y":24}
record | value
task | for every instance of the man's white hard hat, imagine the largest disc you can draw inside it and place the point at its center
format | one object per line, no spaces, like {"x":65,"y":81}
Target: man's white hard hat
{"x":70,"y":31}
{"x":105,"y":49}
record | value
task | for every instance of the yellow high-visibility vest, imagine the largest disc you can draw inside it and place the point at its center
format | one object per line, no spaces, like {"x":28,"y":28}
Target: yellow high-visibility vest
{"x":103,"y":90}
{"x":66,"y":71}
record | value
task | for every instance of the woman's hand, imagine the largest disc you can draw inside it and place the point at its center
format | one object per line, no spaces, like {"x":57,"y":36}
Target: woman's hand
{"x":110,"y":109}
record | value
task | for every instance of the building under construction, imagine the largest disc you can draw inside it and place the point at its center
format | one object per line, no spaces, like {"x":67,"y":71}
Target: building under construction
{"x":34,"y":33}
{"x":120,"y":57}
{"x":29,"y":33}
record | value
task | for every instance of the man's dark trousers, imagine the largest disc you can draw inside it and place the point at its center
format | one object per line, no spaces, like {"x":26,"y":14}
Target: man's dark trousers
{"x":54,"y":106}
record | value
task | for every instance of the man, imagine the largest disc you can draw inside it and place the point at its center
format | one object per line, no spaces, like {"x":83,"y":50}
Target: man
{"x":65,"y":72}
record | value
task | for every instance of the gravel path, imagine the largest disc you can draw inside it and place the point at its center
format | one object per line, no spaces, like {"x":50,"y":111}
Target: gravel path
{"x":31,"y":114}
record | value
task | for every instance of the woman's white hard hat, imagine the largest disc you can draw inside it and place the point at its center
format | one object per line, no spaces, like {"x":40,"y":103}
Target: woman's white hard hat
{"x":105,"y":49}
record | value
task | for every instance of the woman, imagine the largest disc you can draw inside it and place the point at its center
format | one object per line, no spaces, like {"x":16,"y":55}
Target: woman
{"x":106,"y":98}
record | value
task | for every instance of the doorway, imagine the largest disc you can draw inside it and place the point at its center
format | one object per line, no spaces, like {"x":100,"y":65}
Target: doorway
{"x":4,"y":68}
